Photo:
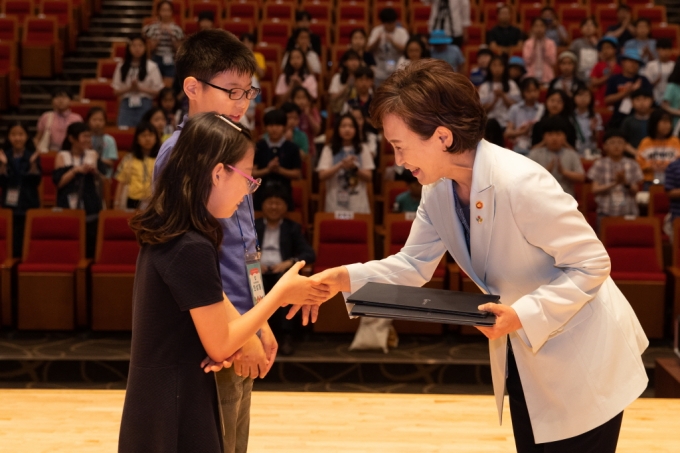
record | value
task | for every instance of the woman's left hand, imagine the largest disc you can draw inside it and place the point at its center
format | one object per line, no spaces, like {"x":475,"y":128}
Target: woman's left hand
{"x":507,"y":320}
{"x":209,"y":364}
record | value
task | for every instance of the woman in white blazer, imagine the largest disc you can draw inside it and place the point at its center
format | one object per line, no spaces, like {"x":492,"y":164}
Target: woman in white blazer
{"x":573,"y":362}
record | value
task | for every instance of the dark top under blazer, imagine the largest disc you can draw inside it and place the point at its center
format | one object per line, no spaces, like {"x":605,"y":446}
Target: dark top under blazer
{"x":292,"y":243}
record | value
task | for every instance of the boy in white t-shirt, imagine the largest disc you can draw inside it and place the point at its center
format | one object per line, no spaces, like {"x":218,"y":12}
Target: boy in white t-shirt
{"x":657,"y":71}
{"x":387,"y":42}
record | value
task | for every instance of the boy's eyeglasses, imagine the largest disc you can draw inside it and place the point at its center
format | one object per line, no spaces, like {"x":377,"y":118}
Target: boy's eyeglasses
{"x":235,"y":94}
{"x":253,"y":184}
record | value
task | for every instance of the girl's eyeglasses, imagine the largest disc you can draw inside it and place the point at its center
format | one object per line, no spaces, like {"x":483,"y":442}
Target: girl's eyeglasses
{"x":253,"y":184}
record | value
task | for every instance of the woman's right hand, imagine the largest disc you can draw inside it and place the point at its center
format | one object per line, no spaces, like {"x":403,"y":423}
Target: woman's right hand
{"x":299,"y":290}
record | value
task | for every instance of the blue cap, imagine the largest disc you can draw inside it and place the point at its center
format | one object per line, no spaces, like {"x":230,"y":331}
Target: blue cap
{"x":610,"y":39}
{"x":440,"y":37}
{"x":516,"y":61}
{"x":632,"y":54}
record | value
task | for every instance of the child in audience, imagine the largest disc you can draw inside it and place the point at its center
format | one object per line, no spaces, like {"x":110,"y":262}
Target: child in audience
{"x":645,"y":46}
{"x":504,"y":36}
{"x":137,"y":82}
{"x":620,"y":86}
{"x":659,"y":148}
{"x":540,"y":53}
{"x":387,"y":42}
{"x":624,"y":29}
{"x":616,"y":179}
{"x":369,"y":135}
{"x":357,"y":43}
{"x":310,"y":118}
{"x":52,"y":125}
{"x":523,"y":115}
{"x":556,"y":104}
{"x":164,"y":37}
{"x":554,"y":30}
{"x":76,"y":176}
{"x":136,"y":170}
{"x":567,"y":80}
{"x":479,"y":72}
{"x":498,"y":93}
{"x":103,"y":143}
{"x":303,"y":43}
{"x":249,"y":40}
{"x":585,"y":48}
{"x":295,"y":74}
{"x":516,"y":69}
{"x":636,"y":126}
{"x":277,"y":160}
{"x":206,"y":20}
{"x":173,"y":115}
{"x":156,"y":117}
{"x":415,"y":50}
{"x":607,"y":67}
{"x":442,"y":49}
{"x":342,"y":83}
{"x":410,"y":200}
{"x":658,"y":71}
{"x":293,"y":132}
{"x":20,"y":177}
{"x":363,"y":84}
{"x":345,"y":167}
{"x":557,"y":157}
{"x":587,"y":121}
{"x":302,"y":22}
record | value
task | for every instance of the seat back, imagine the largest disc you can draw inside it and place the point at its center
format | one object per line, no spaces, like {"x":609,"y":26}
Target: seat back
{"x":61,"y":9}
{"x":100,"y":90}
{"x":353,"y":10}
{"x":116,"y":242}
{"x":283,"y":11}
{"x":655,"y":13}
{"x":338,"y":241}
{"x":118,"y":49}
{"x":275,"y":31}
{"x":7,"y":57}
{"x":40,"y":30}
{"x":527,"y":14}
{"x":198,"y":6}
{"x":5,"y":234}
{"x":124,"y":136}
{"x":666,"y":30}
{"x":54,"y":236}
{"x":397,"y":229}
{"x":659,"y":203}
{"x":239,"y":26}
{"x":245,"y":10}
{"x":344,"y":29}
{"x":633,"y":245}
{"x":83,"y":106}
{"x":48,"y":191}
{"x":9,"y":29}
{"x":106,"y":68}
{"x":19,"y":9}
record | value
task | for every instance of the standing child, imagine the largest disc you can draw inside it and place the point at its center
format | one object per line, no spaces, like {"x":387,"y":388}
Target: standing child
{"x":607,"y":67}
{"x":103,"y":143}
{"x":345,"y":167}
{"x":173,"y":115}
{"x":342,"y":83}
{"x":295,"y":74}
{"x":498,"y":93}
{"x":523,"y":115}
{"x":658,"y":71}
{"x":567,"y":81}
{"x":387,"y":42}
{"x":540,"y":53}
{"x":585,"y":48}
{"x":621,"y":86}
{"x":165,"y":37}
{"x":587,"y":121}
{"x":645,"y":46}
{"x":636,"y":126}
{"x":136,"y":170}
{"x":657,"y":151}
{"x":310,"y":118}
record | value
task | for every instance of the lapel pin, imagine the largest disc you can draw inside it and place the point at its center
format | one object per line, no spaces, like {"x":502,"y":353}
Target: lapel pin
{"x":479,"y":205}
{"x":479,"y":219}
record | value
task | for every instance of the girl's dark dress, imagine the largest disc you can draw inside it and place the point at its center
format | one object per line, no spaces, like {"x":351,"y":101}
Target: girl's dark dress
{"x":171,"y":405}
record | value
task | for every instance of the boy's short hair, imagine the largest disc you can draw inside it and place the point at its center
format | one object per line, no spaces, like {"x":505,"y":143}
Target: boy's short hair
{"x":643,"y":19}
{"x":206,"y":15}
{"x":642,"y":92}
{"x":664,"y":43}
{"x":290,"y":107}
{"x":388,"y":15}
{"x":302,"y":15}
{"x":62,"y":92}
{"x":613,"y":133}
{"x":555,"y":124}
{"x":208,"y":53}
{"x":275,"y":190}
{"x":364,"y":71}
{"x":276,"y":117}
{"x":527,"y":82}
{"x":485,"y":51}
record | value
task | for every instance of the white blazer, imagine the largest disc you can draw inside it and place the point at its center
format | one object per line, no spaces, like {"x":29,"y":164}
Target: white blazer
{"x":579,"y":351}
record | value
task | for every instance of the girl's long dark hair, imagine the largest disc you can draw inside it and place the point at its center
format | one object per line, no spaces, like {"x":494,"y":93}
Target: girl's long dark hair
{"x":30,"y":146}
{"x":568,"y":108}
{"x":591,"y":105}
{"x":136,"y":150}
{"x":127,"y":63}
{"x":505,"y":78}
{"x":73,"y":131}
{"x":654,"y":120}
{"x":344,"y":75}
{"x":336,"y":142}
{"x":288,"y":71}
{"x":181,"y":192}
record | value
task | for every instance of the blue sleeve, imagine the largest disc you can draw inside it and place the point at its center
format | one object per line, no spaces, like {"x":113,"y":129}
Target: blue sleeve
{"x":110,"y":148}
{"x":612,"y":87}
{"x":164,"y":155}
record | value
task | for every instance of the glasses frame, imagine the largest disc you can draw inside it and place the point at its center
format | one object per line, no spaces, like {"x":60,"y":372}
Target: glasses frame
{"x":253,"y":184}
{"x":254,"y":90}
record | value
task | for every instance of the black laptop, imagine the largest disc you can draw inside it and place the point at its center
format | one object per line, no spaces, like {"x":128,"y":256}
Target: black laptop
{"x":422,"y":304}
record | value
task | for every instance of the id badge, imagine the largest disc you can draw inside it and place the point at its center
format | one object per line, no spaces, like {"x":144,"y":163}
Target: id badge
{"x":134,"y":101}
{"x":12,"y":197}
{"x":343,"y":198}
{"x":255,"y":276}
{"x":618,"y":196}
{"x":626,"y":106}
{"x":167,"y":60}
{"x":73,"y":201}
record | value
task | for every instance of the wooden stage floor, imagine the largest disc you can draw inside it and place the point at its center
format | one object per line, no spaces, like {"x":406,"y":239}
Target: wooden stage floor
{"x":77,"y":421}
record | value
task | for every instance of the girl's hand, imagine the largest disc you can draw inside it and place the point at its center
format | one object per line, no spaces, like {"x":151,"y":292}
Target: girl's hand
{"x":209,"y":364}
{"x":301,"y":290}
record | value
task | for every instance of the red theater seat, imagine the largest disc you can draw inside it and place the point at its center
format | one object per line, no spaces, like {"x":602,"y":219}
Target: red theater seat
{"x":48,"y":191}
{"x":101,"y":90}
{"x":659,"y":205}
{"x":655,"y":13}
{"x":675,"y":268}
{"x":41,"y":51}
{"x":113,"y":272}
{"x":196,"y":7}
{"x":62,"y":10}
{"x":123,"y":136}
{"x":20,"y":9}
{"x":275,"y":31}
{"x":353,"y":10}
{"x":284,"y":11}
{"x":244,"y":10}
{"x":9,"y":76}
{"x":7,"y":265}
{"x":239,"y":26}
{"x":52,"y":275}
{"x":9,"y":29}
{"x":106,"y":68}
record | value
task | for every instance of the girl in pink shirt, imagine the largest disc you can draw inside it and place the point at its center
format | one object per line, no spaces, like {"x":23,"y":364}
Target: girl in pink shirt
{"x":540,"y":53}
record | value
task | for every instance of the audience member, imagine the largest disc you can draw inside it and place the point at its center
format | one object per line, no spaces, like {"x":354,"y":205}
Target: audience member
{"x":156,"y":117}
{"x":173,"y":115}
{"x":409,"y":200}
{"x":659,"y":148}
{"x":672,"y":186}
{"x":303,"y":43}
{"x":585,"y":48}
{"x":539,"y":53}
{"x":387,"y":42}
{"x":369,"y":135}
{"x":293,"y":132}
{"x":52,"y":125}
{"x":76,"y":176}
{"x":136,"y":169}
{"x":558,"y":103}
{"x":302,"y":22}
{"x":587,"y":121}
{"x":442,"y":49}
{"x":624,"y":29}
{"x":616,"y":179}
{"x":283,"y":244}
{"x":310,"y":118}
{"x":658,"y":71}
{"x":136,"y":81}
{"x":295,"y":74}
{"x":554,"y":30}
{"x":516,"y":69}
{"x":645,"y":46}
{"x":103,"y":143}
{"x":277,"y":160}
{"x":498,"y":93}
{"x":345,"y":167}
{"x":504,"y":36}
{"x":493,"y":133}
{"x":523,"y":115}
{"x":415,"y":50}
{"x":620,"y":86}
{"x":357,"y":43}
{"x":164,"y":37}
{"x":452,"y":16}
{"x":341,"y":88}
{"x":557,"y":157}
{"x":671,"y":97}
{"x":20,"y":177}
{"x":363,"y":84}
{"x":249,"y":40}
{"x":567,"y":81}
{"x":206,"y":20}
{"x":607,"y":67}
{"x":636,"y":125}
{"x":480,"y":70}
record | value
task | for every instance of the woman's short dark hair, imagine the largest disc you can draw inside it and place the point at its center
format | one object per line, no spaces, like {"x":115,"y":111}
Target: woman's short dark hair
{"x":654,"y":119}
{"x":290,"y":107}
{"x":73,"y":131}
{"x":181,"y":192}
{"x":136,"y":150}
{"x":428,"y":94}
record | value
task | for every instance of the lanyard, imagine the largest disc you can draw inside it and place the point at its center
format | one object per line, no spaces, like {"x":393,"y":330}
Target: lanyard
{"x":257,"y":241}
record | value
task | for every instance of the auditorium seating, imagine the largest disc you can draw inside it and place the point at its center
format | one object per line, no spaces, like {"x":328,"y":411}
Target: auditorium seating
{"x":7,"y":268}
{"x":9,"y":76}
{"x":674,"y":269}
{"x":41,"y":50}
{"x":52,"y":275}
{"x":634,"y":247}
{"x":659,"y":205}
{"x":106,"y":68}
{"x":83,"y":106}
{"x":113,"y":272}
{"x":47,"y":189}
{"x":124,"y":136}
{"x":101,"y":90}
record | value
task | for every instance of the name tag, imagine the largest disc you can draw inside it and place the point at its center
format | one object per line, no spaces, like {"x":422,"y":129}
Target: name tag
{"x":12,"y":197}
{"x":344,"y":215}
